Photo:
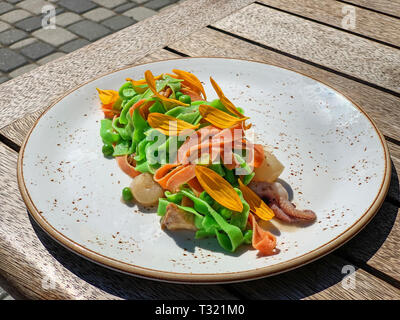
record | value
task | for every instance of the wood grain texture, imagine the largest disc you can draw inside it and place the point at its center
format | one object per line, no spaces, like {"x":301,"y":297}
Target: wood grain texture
{"x":323,"y":279}
{"x":387,"y":6}
{"x":367,"y":23}
{"x":334,"y":49}
{"x":36,"y":267}
{"x":382,"y":107}
{"x":17,"y":130}
{"x":38,"y":89}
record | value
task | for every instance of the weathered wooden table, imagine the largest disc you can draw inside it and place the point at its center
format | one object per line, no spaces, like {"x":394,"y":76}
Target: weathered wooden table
{"x":352,"y":45}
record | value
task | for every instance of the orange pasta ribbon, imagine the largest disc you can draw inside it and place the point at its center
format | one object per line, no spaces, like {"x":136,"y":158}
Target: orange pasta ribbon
{"x":218,"y":188}
{"x":152,"y":85}
{"x":126,"y":166}
{"x":172,"y":176}
{"x":257,"y":206}
{"x":264,"y":241}
{"x":169,"y":125}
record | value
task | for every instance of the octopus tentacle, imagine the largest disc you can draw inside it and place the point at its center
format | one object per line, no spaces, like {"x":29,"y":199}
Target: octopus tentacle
{"x":278,"y":200}
{"x":291,"y":210}
{"x":280,"y":214}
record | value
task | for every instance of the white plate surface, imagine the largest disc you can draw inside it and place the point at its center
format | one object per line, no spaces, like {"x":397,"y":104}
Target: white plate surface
{"x":335,"y":159}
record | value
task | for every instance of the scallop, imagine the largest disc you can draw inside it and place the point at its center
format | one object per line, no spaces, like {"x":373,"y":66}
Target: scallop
{"x":145,"y":190}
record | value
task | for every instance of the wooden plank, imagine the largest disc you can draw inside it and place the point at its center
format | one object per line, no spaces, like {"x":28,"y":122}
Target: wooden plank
{"x":211,"y":42}
{"x":391,"y":7}
{"x":336,"y":50}
{"x":366,"y":22}
{"x":36,"y":90}
{"x":322,"y":280}
{"x":382,"y":107}
{"x":39,"y":268}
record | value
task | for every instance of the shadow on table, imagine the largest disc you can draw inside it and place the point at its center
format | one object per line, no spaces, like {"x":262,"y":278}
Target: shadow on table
{"x":296,"y":284}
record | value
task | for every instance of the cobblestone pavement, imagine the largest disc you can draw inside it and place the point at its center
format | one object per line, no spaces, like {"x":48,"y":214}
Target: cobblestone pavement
{"x":25,"y":44}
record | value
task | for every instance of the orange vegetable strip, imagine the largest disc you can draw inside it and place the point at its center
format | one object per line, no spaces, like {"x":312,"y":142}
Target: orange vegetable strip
{"x":264,"y":241}
{"x":195,"y":185}
{"x":126,"y":167}
{"x":182,"y":176}
{"x":136,"y":105}
{"x":152,"y":85}
{"x":164,"y":173}
{"x":256,"y":204}
{"x":218,"y":188}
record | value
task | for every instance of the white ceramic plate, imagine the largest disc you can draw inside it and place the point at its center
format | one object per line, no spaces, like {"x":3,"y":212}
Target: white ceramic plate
{"x":336,"y":161}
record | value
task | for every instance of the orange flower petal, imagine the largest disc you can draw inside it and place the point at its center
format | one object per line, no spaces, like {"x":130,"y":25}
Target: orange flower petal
{"x":152,"y":85}
{"x":219,"y":118}
{"x":107,"y":96}
{"x":218,"y":188}
{"x":225,"y":101}
{"x":256,"y":204}
{"x":168,"y":125}
{"x":192,"y":80}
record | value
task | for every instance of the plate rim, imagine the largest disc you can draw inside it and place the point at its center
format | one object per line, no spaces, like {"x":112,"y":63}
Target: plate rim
{"x":205,"y":278}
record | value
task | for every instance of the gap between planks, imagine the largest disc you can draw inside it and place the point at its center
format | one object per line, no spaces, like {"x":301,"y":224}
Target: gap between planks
{"x":328,"y":13}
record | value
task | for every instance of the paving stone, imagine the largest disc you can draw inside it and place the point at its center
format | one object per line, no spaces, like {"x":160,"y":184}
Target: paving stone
{"x":10,"y":60}
{"x":13,"y":1}
{"x":22,"y":70}
{"x":4,"y":79}
{"x":98,"y":14}
{"x":109,"y":3}
{"x":74,"y":45}
{"x":140,"y":1}
{"x":50,"y":57}
{"x":4,"y":26}
{"x":67,"y":18}
{"x":78,"y":6}
{"x":37,"y":50}
{"x":89,"y":30}
{"x":34,"y":6}
{"x":15,"y":15}
{"x":5,"y":7}
{"x":140,"y":13}
{"x":157,"y":4}
{"x":11,"y":36}
{"x":55,"y":37}
{"x":22,"y":43}
{"x":118,"y":22}
{"x":125,"y":7}
{"x":30,"y":24}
